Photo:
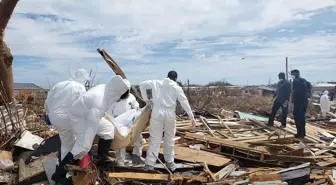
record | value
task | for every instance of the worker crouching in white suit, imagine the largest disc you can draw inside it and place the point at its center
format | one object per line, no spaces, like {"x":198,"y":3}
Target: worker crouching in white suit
{"x":324,"y":103}
{"x":116,"y":110}
{"x":59,"y":100}
{"x":165,"y":94}
{"x":86,"y":114}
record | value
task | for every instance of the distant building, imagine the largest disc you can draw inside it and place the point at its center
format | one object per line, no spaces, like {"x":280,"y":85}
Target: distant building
{"x":266,"y":91}
{"x":321,"y":87}
{"x":23,"y":90}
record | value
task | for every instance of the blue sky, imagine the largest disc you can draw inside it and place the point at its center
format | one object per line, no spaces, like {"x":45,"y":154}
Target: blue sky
{"x":203,"y":40}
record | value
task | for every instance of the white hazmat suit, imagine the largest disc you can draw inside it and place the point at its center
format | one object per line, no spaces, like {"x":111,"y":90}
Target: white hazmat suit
{"x":118,"y":109}
{"x":165,"y":94}
{"x":59,"y":100}
{"x":324,"y":103}
{"x":87,"y":112}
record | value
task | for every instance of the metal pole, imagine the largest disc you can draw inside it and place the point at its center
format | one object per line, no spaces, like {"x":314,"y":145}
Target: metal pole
{"x":188,"y":91}
{"x":286,"y":68}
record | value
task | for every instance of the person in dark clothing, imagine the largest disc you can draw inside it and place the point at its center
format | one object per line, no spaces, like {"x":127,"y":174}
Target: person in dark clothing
{"x":332,"y":94}
{"x":300,"y":95}
{"x":282,"y":96}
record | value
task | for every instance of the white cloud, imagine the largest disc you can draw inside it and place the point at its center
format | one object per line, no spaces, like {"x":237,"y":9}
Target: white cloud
{"x":130,"y":30}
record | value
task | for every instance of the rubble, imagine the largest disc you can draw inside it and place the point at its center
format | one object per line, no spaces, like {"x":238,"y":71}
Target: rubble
{"x":231,"y":145}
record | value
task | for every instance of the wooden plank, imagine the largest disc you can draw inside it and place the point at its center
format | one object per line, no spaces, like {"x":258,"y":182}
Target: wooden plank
{"x":226,"y":126}
{"x":289,"y":128}
{"x":195,"y":156}
{"x":224,"y":142}
{"x":206,"y":169}
{"x":322,"y":151}
{"x":298,"y":158}
{"x":297,"y":152}
{"x":329,"y":162}
{"x":318,"y":182}
{"x":269,"y":140}
{"x":248,"y":138}
{"x":332,"y":114}
{"x":331,"y":180}
{"x":223,"y":173}
{"x":156,"y":177}
{"x":207,"y":126}
{"x":265,"y":177}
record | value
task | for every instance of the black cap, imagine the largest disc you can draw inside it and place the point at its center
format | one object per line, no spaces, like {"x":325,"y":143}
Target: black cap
{"x":295,"y":72}
{"x":282,"y":75}
{"x":172,"y":75}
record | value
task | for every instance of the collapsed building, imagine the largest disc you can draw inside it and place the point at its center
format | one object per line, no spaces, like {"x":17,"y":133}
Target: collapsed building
{"x":231,"y":144}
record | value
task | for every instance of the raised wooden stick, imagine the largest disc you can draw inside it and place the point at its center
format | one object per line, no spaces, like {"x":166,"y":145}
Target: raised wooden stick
{"x":118,"y":71}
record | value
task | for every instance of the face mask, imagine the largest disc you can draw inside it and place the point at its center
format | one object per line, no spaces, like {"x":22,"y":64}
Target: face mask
{"x":293,"y":76}
{"x":280,"y":80}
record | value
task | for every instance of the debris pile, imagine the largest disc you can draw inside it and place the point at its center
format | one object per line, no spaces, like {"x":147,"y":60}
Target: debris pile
{"x":231,"y":145}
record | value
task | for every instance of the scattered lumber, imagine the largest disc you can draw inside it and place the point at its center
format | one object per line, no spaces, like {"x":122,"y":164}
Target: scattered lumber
{"x":157,"y":177}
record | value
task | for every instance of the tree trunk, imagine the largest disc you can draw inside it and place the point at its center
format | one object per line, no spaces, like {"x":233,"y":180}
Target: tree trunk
{"x":6,"y":57}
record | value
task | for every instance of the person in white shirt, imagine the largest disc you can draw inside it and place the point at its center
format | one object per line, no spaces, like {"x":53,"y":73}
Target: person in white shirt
{"x":117,"y":109}
{"x":165,"y":94}
{"x":86,"y":115}
{"x":324,"y":103}
{"x":59,"y":100}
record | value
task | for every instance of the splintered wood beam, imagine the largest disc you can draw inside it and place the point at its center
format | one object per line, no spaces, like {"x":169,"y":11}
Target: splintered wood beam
{"x":298,"y":158}
{"x":326,"y":163}
{"x":118,"y":71}
{"x":331,"y":180}
{"x":194,"y":156}
{"x":225,"y":142}
{"x":223,"y":173}
{"x":156,"y":177}
{"x":207,"y":126}
{"x":206,"y":169}
{"x":265,"y":177}
{"x":113,"y":65}
{"x":226,"y":126}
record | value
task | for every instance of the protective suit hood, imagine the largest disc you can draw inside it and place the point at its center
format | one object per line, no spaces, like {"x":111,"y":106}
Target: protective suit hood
{"x":81,"y":76}
{"x":168,"y":82}
{"x":324,"y":102}
{"x":116,"y":87}
{"x":325,"y":92}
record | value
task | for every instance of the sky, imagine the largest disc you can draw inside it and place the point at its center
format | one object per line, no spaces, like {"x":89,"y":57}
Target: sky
{"x":244,"y":42}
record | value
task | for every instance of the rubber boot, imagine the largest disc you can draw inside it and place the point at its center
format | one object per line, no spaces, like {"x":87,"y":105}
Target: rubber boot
{"x":137,"y":160}
{"x":149,"y":167}
{"x":103,"y":150}
{"x":60,"y":174}
{"x":171,"y":166}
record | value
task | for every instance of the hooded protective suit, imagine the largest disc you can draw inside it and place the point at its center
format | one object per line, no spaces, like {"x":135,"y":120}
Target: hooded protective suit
{"x":124,"y":105}
{"x":324,"y":103}
{"x":165,"y":94}
{"x":87,"y":112}
{"x":117,"y":109}
{"x":58,"y":101}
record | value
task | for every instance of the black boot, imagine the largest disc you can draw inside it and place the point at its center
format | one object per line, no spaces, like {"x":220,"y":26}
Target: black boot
{"x":60,"y":174}
{"x":103,"y":150}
